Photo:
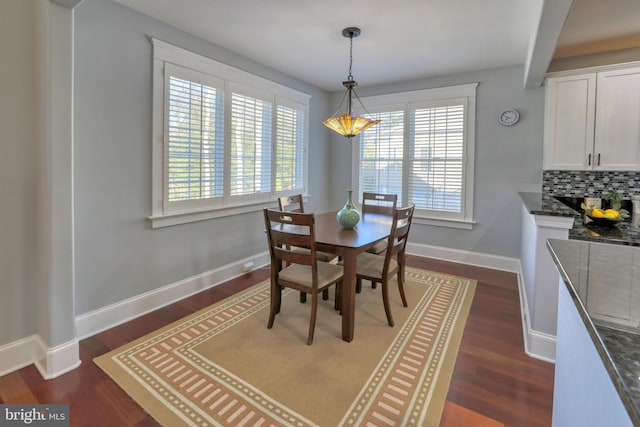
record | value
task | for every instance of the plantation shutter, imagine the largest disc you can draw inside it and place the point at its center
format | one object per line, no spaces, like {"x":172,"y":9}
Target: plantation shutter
{"x":381,"y":155}
{"x":250,"y":149}
{"x":224,"y":141}
{"x":195,"y":139}
{"x":436,"y":159}
{"x":290,"y":149}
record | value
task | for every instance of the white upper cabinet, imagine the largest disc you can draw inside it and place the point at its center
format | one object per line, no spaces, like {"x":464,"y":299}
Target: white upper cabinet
{"x":569,"y":122}
{"x":617,"y":136}
{"x":592,"y":121}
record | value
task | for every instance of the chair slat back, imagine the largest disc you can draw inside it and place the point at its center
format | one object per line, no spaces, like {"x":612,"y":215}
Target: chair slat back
{"x":291,"y":203}
{"x":399,"y":232}
{"x":379,"y":203}
{"x":287,"y":231}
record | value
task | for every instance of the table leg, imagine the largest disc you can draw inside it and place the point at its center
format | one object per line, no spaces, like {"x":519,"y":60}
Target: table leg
{"x":348,"y":294}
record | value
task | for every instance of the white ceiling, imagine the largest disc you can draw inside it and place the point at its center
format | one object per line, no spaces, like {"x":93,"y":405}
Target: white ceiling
{"x":401,"y":39}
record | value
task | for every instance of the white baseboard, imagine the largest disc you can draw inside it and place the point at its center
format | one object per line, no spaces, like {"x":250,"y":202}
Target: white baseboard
{"x":465,"y":257}
{"x":107,"y":317}
{"x":538,"y":345}
{"x":55,"y":361}
{"x":51,"y":362}
{"x":16,"y":355}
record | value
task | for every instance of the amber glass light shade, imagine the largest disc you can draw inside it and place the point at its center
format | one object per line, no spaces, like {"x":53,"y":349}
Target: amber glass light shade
{"x":346,"y":124}
{"x":349,"y":126}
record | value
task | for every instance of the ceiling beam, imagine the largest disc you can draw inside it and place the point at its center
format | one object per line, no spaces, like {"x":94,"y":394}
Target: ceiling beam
{"x":69,"y":4}
{"x":544,"y":37}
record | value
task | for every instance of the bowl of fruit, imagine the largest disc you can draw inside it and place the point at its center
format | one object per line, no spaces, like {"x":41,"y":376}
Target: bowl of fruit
{"x":598,"y":216}
{"x":610,"y":216}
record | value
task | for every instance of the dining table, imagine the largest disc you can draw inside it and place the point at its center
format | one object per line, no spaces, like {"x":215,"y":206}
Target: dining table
{"x":349,"y":243}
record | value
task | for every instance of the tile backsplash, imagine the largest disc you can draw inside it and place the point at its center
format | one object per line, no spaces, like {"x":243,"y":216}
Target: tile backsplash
{"x":590,"y":183}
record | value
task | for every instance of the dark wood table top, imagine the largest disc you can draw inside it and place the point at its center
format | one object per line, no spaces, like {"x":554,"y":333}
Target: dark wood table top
{"x":370,"y":229}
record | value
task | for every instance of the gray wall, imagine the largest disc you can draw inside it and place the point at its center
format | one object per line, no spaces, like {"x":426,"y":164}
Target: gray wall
{"x":18,"y":186}
{"x":507,"y":160}
{"x":118,"y":255}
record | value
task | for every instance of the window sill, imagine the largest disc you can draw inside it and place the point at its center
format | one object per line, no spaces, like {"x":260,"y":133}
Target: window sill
{"x":451,"y":223}
{"x":177,"y":218}
{"x":168,"y":220}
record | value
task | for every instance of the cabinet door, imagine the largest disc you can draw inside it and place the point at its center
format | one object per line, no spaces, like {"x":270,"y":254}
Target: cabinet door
{"x":617,"y":131}
{"x":569,"y":122}
{"x":613,"y":298}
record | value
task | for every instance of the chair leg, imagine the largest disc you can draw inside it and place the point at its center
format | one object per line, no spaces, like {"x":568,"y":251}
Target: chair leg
{"x":385,"y":301}
{"x":401,"y":287}
{"x":276,"y":296}
{"x":312,"y":321}
{"x":337,"y":303}
{"x":358,"y":285}
{"x":279,"y":300}
{"x":325,"y":294}
{"x":303,"y":297}
{"x":373,"y":285}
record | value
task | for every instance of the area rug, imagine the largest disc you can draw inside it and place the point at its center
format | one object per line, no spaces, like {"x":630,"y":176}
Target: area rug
{"x":221,"y":366}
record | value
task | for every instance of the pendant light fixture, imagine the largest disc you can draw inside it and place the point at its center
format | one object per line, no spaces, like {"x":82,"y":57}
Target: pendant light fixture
{"x":346,"y":124}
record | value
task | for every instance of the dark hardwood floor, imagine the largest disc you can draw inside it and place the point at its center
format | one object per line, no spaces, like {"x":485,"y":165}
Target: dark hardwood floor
{"x":494,"y":382}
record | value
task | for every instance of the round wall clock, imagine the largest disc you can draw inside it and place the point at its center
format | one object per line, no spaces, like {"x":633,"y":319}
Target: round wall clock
{"x":509,"y":117}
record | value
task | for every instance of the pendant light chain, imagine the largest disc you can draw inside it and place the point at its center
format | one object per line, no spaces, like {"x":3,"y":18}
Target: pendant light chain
{"x":350,"y":80}
{"x":350,"y":76}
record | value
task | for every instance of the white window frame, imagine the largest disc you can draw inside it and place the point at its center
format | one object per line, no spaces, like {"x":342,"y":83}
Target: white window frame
{"x":163,"y":214}
{"x":406,"y":101}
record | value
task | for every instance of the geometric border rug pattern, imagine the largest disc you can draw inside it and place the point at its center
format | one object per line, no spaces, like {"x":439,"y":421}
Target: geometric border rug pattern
{"x":167,"y":375}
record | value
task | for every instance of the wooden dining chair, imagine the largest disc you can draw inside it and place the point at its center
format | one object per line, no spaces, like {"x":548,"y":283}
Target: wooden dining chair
{"x":380,"y":268}
{"x":295,"y":204}
{"x":291,"y":203}
{"x":303,"y":271}
{"x":382,"y":204}
{"x":379,"y":203}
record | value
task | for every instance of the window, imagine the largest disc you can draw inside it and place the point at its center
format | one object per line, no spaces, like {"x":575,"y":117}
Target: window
{"x":423,"y":151}
{"x":250,"y":149}
{"x":224,"y":141}
{"x":195,"y":139}
{"x":289,"y":154}
{"x":382,"y":155}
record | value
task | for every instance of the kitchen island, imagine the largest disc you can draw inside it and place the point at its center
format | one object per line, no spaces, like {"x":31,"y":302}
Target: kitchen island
{"x":598,"y":337}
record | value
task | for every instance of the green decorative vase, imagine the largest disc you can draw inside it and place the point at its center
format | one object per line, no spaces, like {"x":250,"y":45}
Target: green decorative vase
{"x":349,"y":215}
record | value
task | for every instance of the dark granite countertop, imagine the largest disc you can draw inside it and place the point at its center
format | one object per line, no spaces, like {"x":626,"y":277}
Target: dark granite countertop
{"x":620,"y":234}
{"x":544,"y":204}
{"x":604,"y":282}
